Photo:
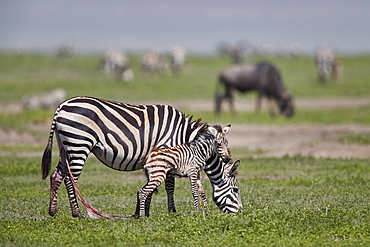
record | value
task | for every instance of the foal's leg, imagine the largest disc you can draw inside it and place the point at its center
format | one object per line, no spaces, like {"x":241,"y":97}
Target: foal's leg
{"x":143,"y":204}
{"x":170,"y":189}
{"x":193,"y":176}
{"x":203,"y":195}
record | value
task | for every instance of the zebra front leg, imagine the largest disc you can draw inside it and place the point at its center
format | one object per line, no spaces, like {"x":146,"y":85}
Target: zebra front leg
{"x":55,"y":180}
{"x":72,"y":198}
{"x":170,"y":189}
{"x":202,"y":194}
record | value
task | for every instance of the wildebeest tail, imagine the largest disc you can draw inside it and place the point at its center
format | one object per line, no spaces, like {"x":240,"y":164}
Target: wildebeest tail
{"x":46,"y":158}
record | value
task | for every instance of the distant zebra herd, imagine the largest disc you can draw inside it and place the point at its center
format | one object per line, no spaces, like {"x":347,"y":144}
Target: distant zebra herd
{"x":116,"y":63}
{"x":122,"y":136}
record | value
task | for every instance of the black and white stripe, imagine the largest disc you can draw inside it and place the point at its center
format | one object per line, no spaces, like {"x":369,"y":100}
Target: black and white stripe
{"x":327,"y":65}
{"x":120,"y":136}
{"x":183,"y":160}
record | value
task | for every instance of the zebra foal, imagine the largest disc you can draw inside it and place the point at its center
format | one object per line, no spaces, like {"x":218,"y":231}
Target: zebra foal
{"x":183,"y":160}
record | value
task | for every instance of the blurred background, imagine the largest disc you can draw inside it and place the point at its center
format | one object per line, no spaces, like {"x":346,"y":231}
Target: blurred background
{"x":173,"y":52}
{"x":198,"y":25}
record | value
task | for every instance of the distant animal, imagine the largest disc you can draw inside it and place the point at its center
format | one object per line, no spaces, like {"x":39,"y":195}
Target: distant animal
{"x":264,"y":78}
{"x":235,"y":52}
{"x":116,"y":63}
{"x":327,"y":65}
{"x":47,"y":100}
{"x":153,"y":62}
{"x":183,"y":160}
{"x":66,"y":50}
{"x":121,"y":136}
{"x":177,"y":55}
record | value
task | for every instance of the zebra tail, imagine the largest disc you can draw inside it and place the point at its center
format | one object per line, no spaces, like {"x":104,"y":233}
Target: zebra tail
{"x":46,"y":158}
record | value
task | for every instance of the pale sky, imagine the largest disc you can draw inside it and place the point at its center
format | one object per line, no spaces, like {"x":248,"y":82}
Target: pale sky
{"x":343,"y":25}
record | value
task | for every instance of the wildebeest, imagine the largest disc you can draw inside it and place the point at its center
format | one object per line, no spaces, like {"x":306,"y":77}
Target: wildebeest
{"x":263,"y":78}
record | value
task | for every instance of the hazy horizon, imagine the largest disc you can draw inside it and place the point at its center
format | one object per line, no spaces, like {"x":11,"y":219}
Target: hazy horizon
{"x":199,"y":26}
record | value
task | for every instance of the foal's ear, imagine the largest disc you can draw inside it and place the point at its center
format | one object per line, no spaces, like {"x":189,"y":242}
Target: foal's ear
{"x":227,"y":129}
{"x":212,"y":130}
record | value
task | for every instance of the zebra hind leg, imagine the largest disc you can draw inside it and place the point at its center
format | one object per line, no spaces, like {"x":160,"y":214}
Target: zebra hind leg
{"x":144,"y":196}
{"x":55,"y":180}
{"x":76,"y":213}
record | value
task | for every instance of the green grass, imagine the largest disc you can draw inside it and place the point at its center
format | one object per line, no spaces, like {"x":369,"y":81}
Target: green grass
{"x":297,"y":201}
{"x":79,"y":75}
{"x":355,"y":138}
{"x":289,"y":201}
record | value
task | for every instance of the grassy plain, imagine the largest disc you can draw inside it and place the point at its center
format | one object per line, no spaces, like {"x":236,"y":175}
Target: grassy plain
{"x":80,"y":76}
{"x":289,"y":201}
{"x":292,"y":201}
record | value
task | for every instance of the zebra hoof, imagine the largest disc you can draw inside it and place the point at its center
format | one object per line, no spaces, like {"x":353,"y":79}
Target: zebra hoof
{"x":52,"y":212}
{"x":79,"y":216}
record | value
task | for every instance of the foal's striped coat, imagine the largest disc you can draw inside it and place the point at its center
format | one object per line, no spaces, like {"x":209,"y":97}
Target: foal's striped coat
{"x":184,"y":160}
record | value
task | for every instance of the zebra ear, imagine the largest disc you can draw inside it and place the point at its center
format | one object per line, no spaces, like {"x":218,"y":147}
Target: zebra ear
{"x":227,"y":129}
{"x":212,"y":130}
{"x":234,"y":167}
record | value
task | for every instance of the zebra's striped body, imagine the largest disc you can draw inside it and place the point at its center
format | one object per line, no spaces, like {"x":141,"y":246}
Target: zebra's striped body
{"x":327,"y":65}
{"x":121,"y":136}
{"x":183,"y":160}
{"x":177,"y":55}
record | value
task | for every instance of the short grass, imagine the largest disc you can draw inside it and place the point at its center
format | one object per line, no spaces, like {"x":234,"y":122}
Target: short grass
{"x":79,"y":75}
{"x":291,"y":201}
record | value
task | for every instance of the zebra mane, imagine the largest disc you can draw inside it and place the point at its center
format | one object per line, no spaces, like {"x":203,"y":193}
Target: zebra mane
{"x":196,"y":124}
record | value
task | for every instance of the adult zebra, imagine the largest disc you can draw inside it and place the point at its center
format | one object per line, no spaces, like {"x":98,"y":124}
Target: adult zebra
{"x":121,"y":135}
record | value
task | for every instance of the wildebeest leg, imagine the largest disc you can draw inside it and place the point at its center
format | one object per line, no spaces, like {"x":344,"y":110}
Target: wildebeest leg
{"x":258,"y":103}
{"x":219,"y":98}
{"x":230,"y":97}
{"x":231,"y":106}
{"x":272,"y":107}
{"x":170,"y":188}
